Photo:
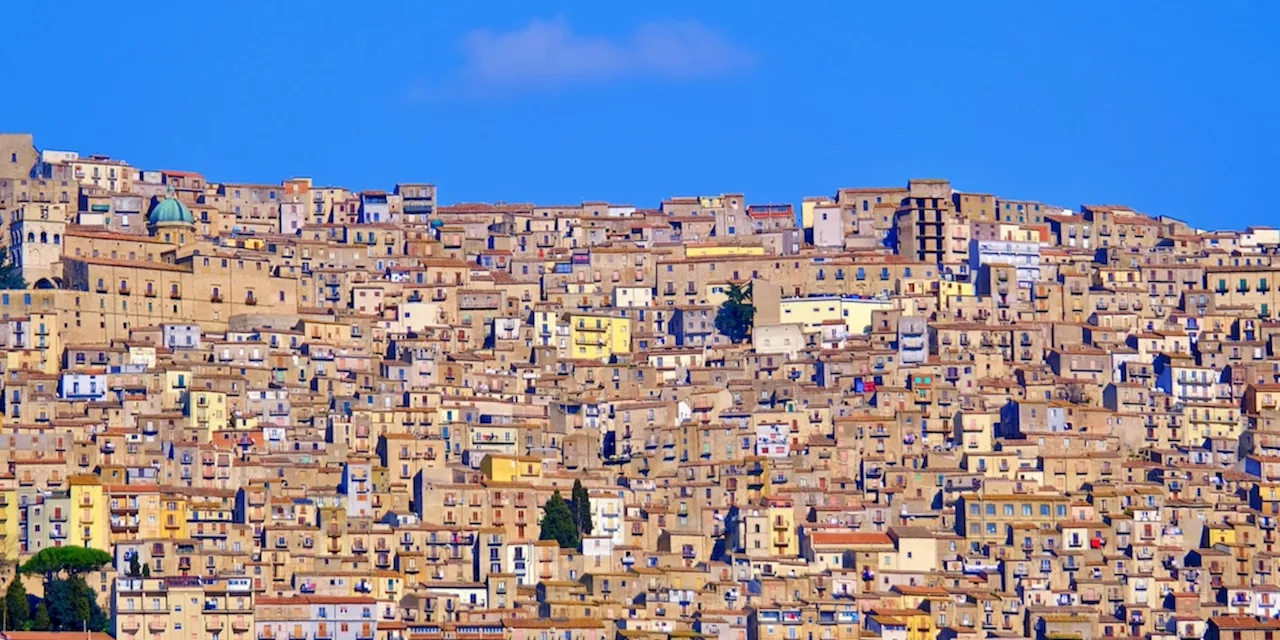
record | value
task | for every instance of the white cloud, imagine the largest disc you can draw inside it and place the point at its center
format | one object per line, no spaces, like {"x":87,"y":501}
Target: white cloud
{"x":548,"y":54}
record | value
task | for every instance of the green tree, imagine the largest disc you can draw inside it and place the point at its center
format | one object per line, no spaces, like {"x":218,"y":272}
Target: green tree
{"x":72,"y":604}
{"x":736,"y":315}
{"x":10,"y":274}
{"x":16,"y":608}
{"x":575,"y":499}
{"x":582,"y":509}
{"x":98,"y":620}
{"x":146,"y":571}
{"x":135,"y":567}
{"x":69,"y":603}
{"x":557,"y":522}
{"x":42,"y":622}
{"x":52,"y":562}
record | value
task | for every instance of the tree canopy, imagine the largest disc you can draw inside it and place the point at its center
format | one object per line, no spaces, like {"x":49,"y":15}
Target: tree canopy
{"x":557,"y":522}
{"x":737,"y":315}
{"x":73,"y":561}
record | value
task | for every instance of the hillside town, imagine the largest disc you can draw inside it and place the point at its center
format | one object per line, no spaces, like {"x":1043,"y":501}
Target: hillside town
{"x":291,"y":411}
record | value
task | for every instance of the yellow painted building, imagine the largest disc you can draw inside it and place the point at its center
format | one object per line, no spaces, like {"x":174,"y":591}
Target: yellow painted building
{"x":1220,"y":534}
{"x":597,"y":336}
{"x":721,"y":251}
{"x":806,"y":212}
{"x":46,"y":340}
{"x":951,"y":288}
{"x":502,"y":468}
{"x":1218,"y":420}
{"x":783,"y":540}
{"x":34,"y":341}
{"x":207,"y":411}
{"x":88,"y":513}
{"x":244,"y":423}
{"x":812,"y":313}
{"x":9,"y":534}
{"x":173,"y":515}
{"x":176,"y":384}
{"x":134,"y":512}
{"x":1019,"y":233}
{"x":546,"y":325}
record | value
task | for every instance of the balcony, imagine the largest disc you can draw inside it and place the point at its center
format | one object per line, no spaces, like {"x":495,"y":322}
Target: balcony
{"x":215,"y":297}
{"x":251,"y":300}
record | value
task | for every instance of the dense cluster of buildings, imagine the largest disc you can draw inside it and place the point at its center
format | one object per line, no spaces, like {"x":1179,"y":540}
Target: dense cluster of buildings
{"x":313,"y":413}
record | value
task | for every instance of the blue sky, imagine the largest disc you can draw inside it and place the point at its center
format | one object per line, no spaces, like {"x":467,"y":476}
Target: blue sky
{"x":1165,"y":106}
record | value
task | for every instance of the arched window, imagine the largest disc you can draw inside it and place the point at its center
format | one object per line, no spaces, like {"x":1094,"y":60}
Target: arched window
{"x":31,"y":236}
{"x":44,"y":237}
{"x":57,"y":238}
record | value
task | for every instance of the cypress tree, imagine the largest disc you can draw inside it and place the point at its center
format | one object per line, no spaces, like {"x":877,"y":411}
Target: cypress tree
{"x":17,"y":609}
{"x":582,"y":509}
{"x":557,"y":523}
{"x":737,"y":315}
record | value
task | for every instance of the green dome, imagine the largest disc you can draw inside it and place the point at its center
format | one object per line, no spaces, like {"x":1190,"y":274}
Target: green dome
{"x":170,"y":211}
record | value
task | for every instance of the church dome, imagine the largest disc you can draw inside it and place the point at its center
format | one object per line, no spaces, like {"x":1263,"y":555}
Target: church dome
{"x":170,"y":211}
